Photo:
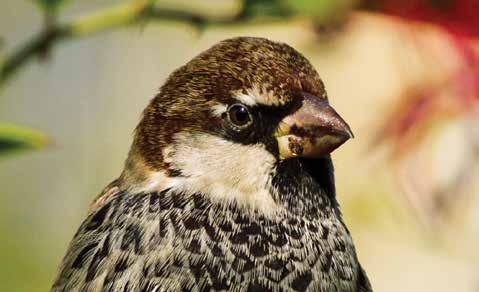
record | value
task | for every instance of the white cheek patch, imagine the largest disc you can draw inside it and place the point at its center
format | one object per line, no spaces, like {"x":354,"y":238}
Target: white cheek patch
{"x":223,"y":170}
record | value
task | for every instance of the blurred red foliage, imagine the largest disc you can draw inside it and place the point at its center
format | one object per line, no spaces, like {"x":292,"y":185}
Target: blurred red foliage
{"x":459,"y":16}
{"x":459,"y":19}
{"x":421,"y":105}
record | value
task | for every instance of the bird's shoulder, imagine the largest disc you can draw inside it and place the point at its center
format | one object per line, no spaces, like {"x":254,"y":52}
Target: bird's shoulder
{"x":109,"y":248}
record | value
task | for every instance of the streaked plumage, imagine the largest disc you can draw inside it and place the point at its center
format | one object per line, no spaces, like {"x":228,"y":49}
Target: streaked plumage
{"x":209,"y":199}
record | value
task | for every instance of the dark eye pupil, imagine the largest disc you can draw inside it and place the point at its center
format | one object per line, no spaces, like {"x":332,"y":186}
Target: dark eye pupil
{"x":239,"y":115}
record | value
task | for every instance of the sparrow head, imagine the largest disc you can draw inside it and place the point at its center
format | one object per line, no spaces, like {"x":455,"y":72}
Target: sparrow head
{"x":222,"y":123}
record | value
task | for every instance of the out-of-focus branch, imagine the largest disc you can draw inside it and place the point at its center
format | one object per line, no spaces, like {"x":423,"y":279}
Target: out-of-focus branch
{"x":138,"y":11}
{"x":110,"y":18}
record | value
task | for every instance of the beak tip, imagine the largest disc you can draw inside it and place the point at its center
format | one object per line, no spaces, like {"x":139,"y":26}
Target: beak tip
{"x":343,"y":129}
{"x":350,"y":134}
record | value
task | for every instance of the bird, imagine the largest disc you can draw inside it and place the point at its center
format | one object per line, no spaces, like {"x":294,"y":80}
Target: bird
{"x":228,"y":185}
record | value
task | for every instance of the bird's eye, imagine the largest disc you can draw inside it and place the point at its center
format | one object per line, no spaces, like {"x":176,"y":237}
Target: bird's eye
{"x":239,"y":115}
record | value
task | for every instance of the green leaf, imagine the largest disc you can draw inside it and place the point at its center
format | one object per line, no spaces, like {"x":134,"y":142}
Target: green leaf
{"x":14,"y":138}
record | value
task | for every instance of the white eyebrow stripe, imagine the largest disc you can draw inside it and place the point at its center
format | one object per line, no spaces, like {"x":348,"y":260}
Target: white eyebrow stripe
{"x":219,"y":109}
{"x":255,"y":96}
{"x":245,"y":99}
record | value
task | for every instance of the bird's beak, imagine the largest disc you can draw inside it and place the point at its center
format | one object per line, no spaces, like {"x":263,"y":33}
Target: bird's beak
{"x":314,"y":130}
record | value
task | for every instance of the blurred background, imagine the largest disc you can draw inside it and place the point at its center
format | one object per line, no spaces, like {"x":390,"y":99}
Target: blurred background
{"x":75,"y":76}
